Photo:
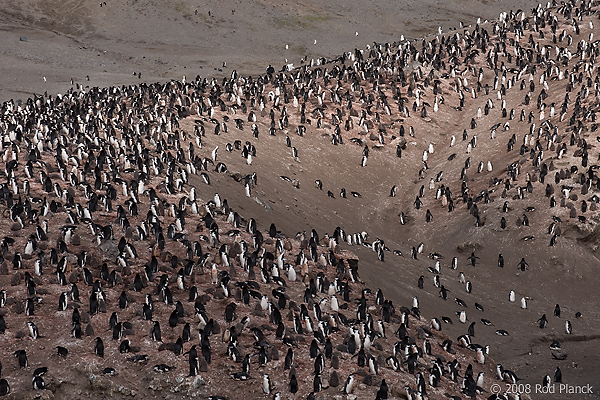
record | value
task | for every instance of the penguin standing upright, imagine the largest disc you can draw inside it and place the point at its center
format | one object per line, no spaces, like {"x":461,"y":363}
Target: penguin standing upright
{"x":63,"y":301}
{"x":33,"y":330}
{"x":266,"y":384}
{"x":568,"y":327}
{"x":99,"y":347}
{"x":293,"y":384}
{"x":382,"y":393}
{"x":194,"y":361}
{"x":4,"y":387}
{"x":349,"y":385}
{"x":155,"y":332}
{"x":557,"y":375}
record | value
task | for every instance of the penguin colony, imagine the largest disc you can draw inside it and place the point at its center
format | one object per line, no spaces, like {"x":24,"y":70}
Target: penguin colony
{"x":114,"y":252}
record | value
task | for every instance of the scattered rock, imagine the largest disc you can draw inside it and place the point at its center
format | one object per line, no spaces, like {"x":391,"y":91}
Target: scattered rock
{"x":203,"y":365}
{"x":19,"y":308}
{"x":109,"y":250}
{"x":334,"y":379}
{"x":335,"y":362}
{"x":16,"y":279}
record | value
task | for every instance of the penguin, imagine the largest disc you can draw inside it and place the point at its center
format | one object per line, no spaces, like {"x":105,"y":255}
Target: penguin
{"x":506,"y":375}
{"x":186,"y":333}
{"x":38,"y":383}
{"x":349,"y":385}
{"x":123,"y":300}
{"x":194,"y":362}
{"x":33,"y":330}
{"x":40,"y":371}
{"x":29,"y":307}
{"x":267,"y":386}
{"x":472,"y":259}
{"x":21,"y":355}
{"x":173,"y":319}
{"x":317,"y":384}
{"x":428,"y":216}
{"x":523,"y":303}
{"x":546,"y":382}
{"x":479,"y":381}
{"x":125,"y":346}
{"x":155,"y":333}
{"x":543,"y":322}
{"x":557,"y":310}
{"x":62,"y":351}
{"x":99,"y":347}
{"x":523,"y":265}
{"x":112,"y":321}
{"x":480,"y":356}
{"x":557,"y":375}
{"x":293,"y":384}
{"x":471,"y":329}
{"x":63,"y":301}
{"x":162,"y":368}
{"x":373,"y":368}
{"x":4,"y":387}
{"x":568,"y":327}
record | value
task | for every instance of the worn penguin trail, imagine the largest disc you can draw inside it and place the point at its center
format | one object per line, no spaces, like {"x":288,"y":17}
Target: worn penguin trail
{"x":87,"y":169}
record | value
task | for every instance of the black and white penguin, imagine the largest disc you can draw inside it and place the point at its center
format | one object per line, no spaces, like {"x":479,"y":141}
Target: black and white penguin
{"x":523,"y":265}
{"x":382,"y":393}
{"x":4,"y":387}
{"x":557,"y":375}
{"x":33,"y":330}
{"x":113,"y":321}
{"x":99,"y":347}
{"x":468,"y":286}
{"x":363,"y":162}
{"x":349,"y":385}
{"x":155,"y":332}
{"x":29,"y":307}
{"x":63,"y":301}
{"x":193,"y":361}
{"x":123,"y":302}
{"x":506,"y":375}
{"x":568,"y":327}
{"x":162,"y":368}
{"x":125,"y":346}
{"x":267,"y":386}
{"x":293,"y":384}
{"x":21,"y":355}
{"x":38,"y":383}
